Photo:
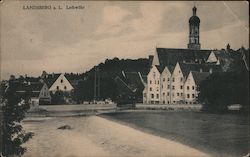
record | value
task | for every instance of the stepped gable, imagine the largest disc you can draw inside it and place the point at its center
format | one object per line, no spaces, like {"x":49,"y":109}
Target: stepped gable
{"x":199,"y":76}
{"x":169,"y":56}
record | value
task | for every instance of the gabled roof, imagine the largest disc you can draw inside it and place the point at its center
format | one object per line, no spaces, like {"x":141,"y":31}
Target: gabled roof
{"x":199,"y":76}
{"x":35,"y":86}
{"x":122,"y":87}
{"x":170,"y":56}
{"x":187,"y":67}
{"x":134,"y":80}
{"x":160,"y":68}
{"x":51,"y":78}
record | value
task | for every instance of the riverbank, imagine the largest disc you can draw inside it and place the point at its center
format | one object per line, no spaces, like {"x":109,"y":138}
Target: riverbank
{"x":96,"y":136}
{"x":220,"y":135}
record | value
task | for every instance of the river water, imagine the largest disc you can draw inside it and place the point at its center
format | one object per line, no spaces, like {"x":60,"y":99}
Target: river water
{"x":215,"y":134}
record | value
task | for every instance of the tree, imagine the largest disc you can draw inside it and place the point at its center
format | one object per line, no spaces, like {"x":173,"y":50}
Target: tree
{"x":222,"y":89}
{"x":14,"y":109}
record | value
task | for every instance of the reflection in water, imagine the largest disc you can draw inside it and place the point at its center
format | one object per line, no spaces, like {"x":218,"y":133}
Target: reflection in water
{"x":217,"y":134}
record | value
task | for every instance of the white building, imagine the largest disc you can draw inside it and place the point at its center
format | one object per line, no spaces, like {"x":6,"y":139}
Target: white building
{"x":153,"y":87}
{"x":191,"y":86}
{"x":58,"y":82}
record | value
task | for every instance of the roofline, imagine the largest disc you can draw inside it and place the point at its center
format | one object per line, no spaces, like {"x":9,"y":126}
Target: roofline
{"x":185,"y":49}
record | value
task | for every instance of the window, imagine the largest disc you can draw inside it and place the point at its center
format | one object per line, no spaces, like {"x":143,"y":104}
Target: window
{"x":65,"y":87}
{"x":152,"y":96}
{"x":173,"y":79}
{"x":168,"y":79}
{"x":157,"y":89}
{"x":150,"y":82}
{"x":163,"y":94}
{"x":61,"y":80}
{"x":181,"y":94}
{"x":178,"y":94}
{"x":150,"y":89}
{"x":158,"y":82}
{"x":181,"y":87}
{"x":173,"y":94}
{"x":179,"y":71}
{"x":157,"y":96}
{"x":155,"y":81}
{"x":168,"y":86}
{"x":187,"y":87}
{"x":57,"y":87}
{"x":172,"y":87}
{"x":163,"y":80}
{"x":192,"y":95}
{"x":188,"y":95}
{"x":181,"y":79}
{"x":168,"y":93}
{"x":193,"y":87}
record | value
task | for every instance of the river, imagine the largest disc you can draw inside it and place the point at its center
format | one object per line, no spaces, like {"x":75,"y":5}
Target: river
{"x":216,"y":134}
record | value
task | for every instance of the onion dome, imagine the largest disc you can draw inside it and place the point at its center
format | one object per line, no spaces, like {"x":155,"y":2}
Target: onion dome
{"x":194,"y":19}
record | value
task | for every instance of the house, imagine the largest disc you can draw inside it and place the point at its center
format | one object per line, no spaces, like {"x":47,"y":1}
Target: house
{"x":58,"y":82}
{"x":39,"y":93}
{"x":191,"y":85}
{"x":169,"y":76}
{"x":131,"y":84}
{"x":153,"y":85}
{"x":177,"y":82}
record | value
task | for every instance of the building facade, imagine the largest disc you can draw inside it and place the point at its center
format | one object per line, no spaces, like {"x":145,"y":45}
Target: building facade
{"x":175,"y":74}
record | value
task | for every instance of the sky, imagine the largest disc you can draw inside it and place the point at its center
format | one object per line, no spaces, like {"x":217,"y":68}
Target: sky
{"x":65,"y":40}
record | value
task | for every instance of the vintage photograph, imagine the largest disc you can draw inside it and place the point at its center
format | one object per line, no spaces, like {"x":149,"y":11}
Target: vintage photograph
{"x":124,"y":78}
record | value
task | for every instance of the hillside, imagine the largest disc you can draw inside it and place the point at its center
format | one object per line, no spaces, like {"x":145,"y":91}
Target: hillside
{"x":108,"y":71}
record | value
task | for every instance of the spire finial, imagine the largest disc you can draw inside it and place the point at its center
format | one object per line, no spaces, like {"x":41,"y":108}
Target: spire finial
{"x":194,"y":10}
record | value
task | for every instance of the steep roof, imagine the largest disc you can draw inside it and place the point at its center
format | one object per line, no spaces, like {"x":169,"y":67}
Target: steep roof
{"x":199,"y":76}
{"x":134,"y":80}
{"x":169,"y":56}
{"x":51,"y":78}
{"x":187,"y":67}
{"x":122,"y":87}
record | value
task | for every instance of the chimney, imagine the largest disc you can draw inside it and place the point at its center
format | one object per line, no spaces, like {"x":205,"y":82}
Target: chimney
{"x":53,"y":75}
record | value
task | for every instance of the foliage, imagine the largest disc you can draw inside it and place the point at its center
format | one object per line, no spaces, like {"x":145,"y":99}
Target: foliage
{"x":110,"y":69}
{"x":14,"y":109}
{"x":222,"y":89}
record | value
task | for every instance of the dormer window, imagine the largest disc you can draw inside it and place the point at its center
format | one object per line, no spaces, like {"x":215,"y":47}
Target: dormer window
{"x":61,"y":80}
{"x":65,"y":87}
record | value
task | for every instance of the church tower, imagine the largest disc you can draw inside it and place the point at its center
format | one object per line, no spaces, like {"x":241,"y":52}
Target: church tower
{"x":194,"y":29}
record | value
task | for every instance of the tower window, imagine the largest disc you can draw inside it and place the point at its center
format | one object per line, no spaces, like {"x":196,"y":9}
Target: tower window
{"x":61,"y":80}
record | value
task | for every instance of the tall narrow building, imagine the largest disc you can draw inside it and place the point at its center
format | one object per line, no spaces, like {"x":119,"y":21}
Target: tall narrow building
{"x":194,"y":29}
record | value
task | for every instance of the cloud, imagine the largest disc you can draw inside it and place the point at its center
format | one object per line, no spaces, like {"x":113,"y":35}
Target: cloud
{"x":74,"y":41}
{"x":112,"y":20}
